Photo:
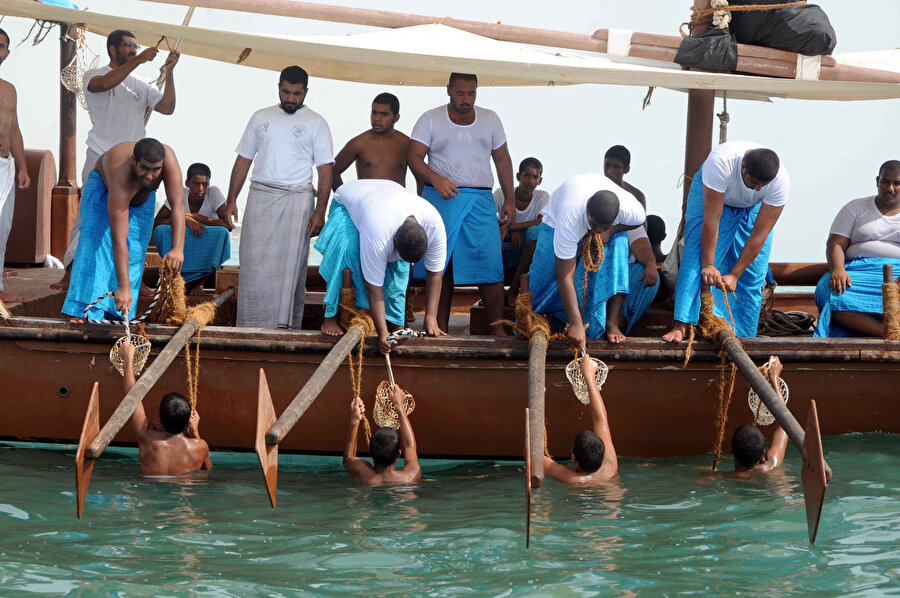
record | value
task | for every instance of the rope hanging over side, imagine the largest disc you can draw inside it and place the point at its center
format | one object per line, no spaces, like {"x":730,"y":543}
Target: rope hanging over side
{"x":724,"y":119}
{"x":171,"y":307}
{"x":591,"y":258}
{"x":203,"y":314}
{"x":351,"y":316}
{"x":890,"y":294}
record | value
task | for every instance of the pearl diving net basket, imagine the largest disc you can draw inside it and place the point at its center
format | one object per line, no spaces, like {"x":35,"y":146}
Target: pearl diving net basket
{"x":760,"y":412}
{"x":384,"y":413}
{"x":141,"y":352}
{"x":576,"y":378}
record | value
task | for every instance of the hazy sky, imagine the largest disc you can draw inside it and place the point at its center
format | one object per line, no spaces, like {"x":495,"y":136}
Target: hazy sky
{"x":831,"y":149}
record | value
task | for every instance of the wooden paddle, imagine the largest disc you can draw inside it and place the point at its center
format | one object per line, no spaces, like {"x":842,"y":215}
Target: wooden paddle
{"x":528,"y":479}
{"x":268,"y":454}
{"x":537,"y":370}
{"x":813,"y":475}
{"x":92,"y":443}
{"x":4,"y":313}
{"x":83,"y":469}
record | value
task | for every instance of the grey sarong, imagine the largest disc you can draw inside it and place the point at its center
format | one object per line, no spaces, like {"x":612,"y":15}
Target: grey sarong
{"x":274,"y":250}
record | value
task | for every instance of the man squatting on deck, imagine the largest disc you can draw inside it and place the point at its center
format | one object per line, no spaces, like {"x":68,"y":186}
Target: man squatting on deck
{"x":175,"y":449}
{"x":865,"y":235}
{"x":13,"y":170}
{"x":284,"y":143}
{"x":460,"y":141}
{"x":117,"y":102}
{"x":582,"y":204}
{"x":384,"y":447}
{"x":734,"y":201}
{"x":376,"y":229}
{"x":593,"y":454}
{"x":117,"y":206}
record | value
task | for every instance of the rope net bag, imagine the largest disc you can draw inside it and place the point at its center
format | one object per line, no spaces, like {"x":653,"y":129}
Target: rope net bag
{"x":72,"y":75}
{"x":761,"y":414}
{"x":141,"y":351}
{"x":384,"y":413}
{"x":351,"y":316}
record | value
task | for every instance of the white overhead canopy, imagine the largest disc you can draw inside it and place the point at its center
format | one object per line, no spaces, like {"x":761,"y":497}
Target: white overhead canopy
{"x":424,"y":55}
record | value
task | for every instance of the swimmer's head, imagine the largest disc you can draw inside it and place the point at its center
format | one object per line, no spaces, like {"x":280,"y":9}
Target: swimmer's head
{"x":747,"y":446}
{"x":174,"y":413}
{"x":384,"y":447}
{"x":411,"y":241}
{"x":587,"y":452}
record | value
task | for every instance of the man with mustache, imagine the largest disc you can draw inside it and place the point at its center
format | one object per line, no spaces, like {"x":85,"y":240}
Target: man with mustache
{"x":284,"y":143}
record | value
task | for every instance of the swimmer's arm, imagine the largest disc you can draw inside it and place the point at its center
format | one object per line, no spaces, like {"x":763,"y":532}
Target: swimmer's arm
{"x":358,"y":469}
{"x":774,"y":456}
{"x":561,"y":472}
{"x":601,"y":427}
{"x":139,"y":417}
{"x":207,"y":461}
{"x":342,"y":162}
{"x":411,"y":469}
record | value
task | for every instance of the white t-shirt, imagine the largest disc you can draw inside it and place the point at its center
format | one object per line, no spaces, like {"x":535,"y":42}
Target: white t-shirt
{"x":117,"y":115}
{"x":286,"y":147}
{"x":722,"y":173}
{"x":538,"y":202}
{"x":378,"y":207}
{"x":211,"y":202}
{"x":871,"y":233}
{"x":566,"y":211}
{"x":462,"y":153}
{"x":633,"y":235}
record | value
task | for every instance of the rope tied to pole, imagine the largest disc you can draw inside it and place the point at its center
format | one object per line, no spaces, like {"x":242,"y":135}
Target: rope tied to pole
{"x":170,"y":307}
{"x":351,"y":316}
{"x":890,"y":294}
{"x":528,"y":323}
{"x":721,"y":13}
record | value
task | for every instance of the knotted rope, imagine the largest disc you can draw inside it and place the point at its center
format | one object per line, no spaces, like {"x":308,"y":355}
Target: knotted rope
{"x":721,"y":12}
{"x":591,"y":258}
{"x":203,"y":314}
{"x":351,"y":316}
{"x":174,"y":48}
{"x":890,"y":294}
{"x":527,"y":322}
{"x":170,"y":306}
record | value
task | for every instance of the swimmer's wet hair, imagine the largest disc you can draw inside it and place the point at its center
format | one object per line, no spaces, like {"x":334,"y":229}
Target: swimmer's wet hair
{"x":411,"y":241}
{"x":174,"y":413}
{"x":384,"y":446}
{"x":748,"y":445}
{"x":588,"y":450}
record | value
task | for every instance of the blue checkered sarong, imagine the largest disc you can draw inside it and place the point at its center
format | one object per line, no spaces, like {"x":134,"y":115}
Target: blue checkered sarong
{"x":639,"y":296}
{"x":864,"y":294}
{"x":202,"y":255}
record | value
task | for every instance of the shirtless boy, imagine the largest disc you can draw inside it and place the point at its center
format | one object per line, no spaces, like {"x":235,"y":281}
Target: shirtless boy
{"x":176,"y":448}
{"x":748,"y":443}
{"x":593,"y":455}
{"x":385,"y":447}
{"x":380,"y":152}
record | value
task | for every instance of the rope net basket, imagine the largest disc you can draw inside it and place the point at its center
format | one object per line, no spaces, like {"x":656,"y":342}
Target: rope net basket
{"x":576,"y":378}
{"x":761,"y":413}
{"x":141,"y":353}
{"x":384,"y":413}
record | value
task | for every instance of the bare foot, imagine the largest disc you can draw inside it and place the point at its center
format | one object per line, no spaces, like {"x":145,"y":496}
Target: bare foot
{"x":10,"y":298}
{"x":63,"y":284}
{"x":148,"y":292}
{"x":331,"y":327}
{"x":614,"y":334}
{"x":76,"y":320}
{"x":677,"y":334}
{"x":196,"y":291}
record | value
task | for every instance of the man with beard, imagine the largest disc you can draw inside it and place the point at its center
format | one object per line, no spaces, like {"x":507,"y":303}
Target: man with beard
{"x":380,"y":152}
{"x":460,"y":141}
{"x":12,"y":164}
{"x":117,"y":205}
{"x":117,"y":102}
{"x":286,"y":141}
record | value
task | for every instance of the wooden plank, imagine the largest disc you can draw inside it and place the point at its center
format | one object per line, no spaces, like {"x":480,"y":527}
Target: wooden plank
{"x":267,"y":454}
{"x":813,"y":473}
{"x":84,"y":467}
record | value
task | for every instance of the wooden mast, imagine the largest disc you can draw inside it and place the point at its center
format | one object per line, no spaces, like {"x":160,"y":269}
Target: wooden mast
{"x":698,"y":137}
{"x":64,"y":199}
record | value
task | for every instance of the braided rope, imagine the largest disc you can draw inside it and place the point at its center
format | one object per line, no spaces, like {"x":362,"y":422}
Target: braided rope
{"x":891,"y":309}
{"x":591,"y":258}
{"x":351,"y":316}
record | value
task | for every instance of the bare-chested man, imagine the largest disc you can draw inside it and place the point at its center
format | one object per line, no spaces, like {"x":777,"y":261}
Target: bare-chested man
{"x":593,"y":455}
{"x":175,"y":449}
{"x":384,"y":446}
{"x":380,"y":152}
{"x":117,"y":205}
{"x":12,"y":161}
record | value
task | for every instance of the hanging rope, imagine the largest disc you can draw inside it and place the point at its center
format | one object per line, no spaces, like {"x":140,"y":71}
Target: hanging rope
{"x":170,"y":307}
{"x":546,"y":441}
{"x":174,"y":48}
{"x":527,"y":322}
{"x":890,"y":294}
{"x":203,"y":314}
{"x":351,"y":316}
{"x":720,"y":18}
{"x":591,"y":258}
{"x":724,"y":119}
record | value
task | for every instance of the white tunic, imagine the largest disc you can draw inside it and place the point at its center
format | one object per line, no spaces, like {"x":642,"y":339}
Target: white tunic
{"x":378,"y":207}
{"x":566,"y":211}
{"x":871,"y":233}
{"x":117,"y":115}
{"x":211,"y":202}
{"x":538,"y":202}
{"x":722,"y":173}
{"x":286,"y":147}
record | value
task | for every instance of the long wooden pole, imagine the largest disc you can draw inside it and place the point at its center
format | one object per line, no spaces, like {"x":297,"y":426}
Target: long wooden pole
{"x":537,"y":369}
{"x":152,"y":374}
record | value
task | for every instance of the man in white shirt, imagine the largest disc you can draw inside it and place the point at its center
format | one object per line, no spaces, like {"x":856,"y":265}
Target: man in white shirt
{"x":864,"y":237}
{"x":284,"y":143}
{"x":734,"y":202}
{"x":376,"y":229}
{"x":583,"y":204}
{"x":117,"y":102}
{"x":460,"y":141}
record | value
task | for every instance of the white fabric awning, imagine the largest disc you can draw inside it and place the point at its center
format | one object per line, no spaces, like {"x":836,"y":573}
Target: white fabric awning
{"x":424,"y":55}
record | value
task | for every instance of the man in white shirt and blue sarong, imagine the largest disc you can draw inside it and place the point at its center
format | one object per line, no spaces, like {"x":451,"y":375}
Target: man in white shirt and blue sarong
{"x":376,"y":229}
{"x":460,"y":141}
{"x":586,"y":203}
{"x":734,"y":202}
{"x":864,"y":237}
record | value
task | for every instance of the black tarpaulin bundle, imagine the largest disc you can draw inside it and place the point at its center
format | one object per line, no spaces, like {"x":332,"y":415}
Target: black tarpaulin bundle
{"x":804,"y":28}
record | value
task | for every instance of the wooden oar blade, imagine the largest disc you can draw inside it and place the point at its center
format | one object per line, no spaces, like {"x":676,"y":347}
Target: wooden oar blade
{"x":527,"y":479}
{"x":89,"y":430}
{"x":814,"y":479}
{"x":268,"y":454}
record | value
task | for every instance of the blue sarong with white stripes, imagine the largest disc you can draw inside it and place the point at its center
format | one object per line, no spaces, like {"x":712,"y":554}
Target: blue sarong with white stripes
{"x":473,"y":235}
{"x":203,"y":254}
{"x":339,"y":245}
{"x":94,"y":270}
{"x":639,"y":296}
{"x":609,"y":280}
{"x":735,"y":226}
{"x":863,"y":295}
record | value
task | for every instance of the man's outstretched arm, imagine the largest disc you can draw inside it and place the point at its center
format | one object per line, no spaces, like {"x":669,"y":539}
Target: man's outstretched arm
{"x":139,"y":418}
{"x":774,"y":456}
{"x":598,"y":416}
{"x":411,"y":469}
{"x":356,"y":467}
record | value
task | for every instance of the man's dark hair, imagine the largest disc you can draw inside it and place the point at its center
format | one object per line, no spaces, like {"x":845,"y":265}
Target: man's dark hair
{"x":389,"y":99}
{"x":115,"y":38}
{"x":620,"y":153}
{"x":762,"y":164}
{"x":411,"y":241}
{"x":294,"y":75}
{"x":198,"y":168}
{"x":603,"y":207}
{"x":748,"y":445}
{"x":454,"y":77}
{"x":6,"y":35}
{"x":174,"y":413}
{"x":889,"y":165}
{"x":656,"y":229}
{"x":384,"y":446}
{"x":588,"y":450}
{"x":531,"y":163}
{"x":149,"y":150}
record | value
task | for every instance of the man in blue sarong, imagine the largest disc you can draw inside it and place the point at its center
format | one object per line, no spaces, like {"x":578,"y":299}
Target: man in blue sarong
{"x":376,"y":228}
{"x":734,"y":202}
{"x":209,"y":244}
{"x":460,"y":141}
{"x":864,"y":237}
{"x":586,"y":203}
{"x":117,"y":205}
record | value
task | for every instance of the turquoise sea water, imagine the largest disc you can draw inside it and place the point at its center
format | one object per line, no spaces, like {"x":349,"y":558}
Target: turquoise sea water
{"x":458,"y":533}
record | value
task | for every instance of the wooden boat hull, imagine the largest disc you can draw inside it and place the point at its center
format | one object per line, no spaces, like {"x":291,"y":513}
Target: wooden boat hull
{"x":470,"y":391}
